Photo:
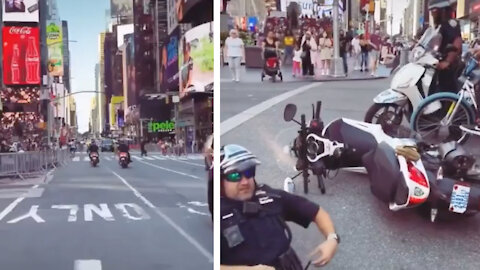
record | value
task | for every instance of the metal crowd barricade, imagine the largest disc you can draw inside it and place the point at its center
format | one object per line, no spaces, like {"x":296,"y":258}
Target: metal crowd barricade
{"x":31,"y":164}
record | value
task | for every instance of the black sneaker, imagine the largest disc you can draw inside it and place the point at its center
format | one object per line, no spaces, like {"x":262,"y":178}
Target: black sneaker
{"x":471,"y":129}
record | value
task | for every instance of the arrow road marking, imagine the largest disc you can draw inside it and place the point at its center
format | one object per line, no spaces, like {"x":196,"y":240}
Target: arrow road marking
{"x":32,"y":213}
{"x":12,"y":206}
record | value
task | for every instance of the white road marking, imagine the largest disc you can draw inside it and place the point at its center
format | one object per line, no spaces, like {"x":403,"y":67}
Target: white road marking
{"x":198,"y":203}
{"x":87,"y":265}
{"x":12,"y":206}
{"x":72,"y":217}
{"x":32,"y":213}
{"x":169,"y":170}
{"x":191,"y":210}
{"x":103,"y":212}
{"x":190,"y":239}
{"x":149,"y":158}
{"x":186,"y":162}
{"x":141,"y":214}
{"x":159,"y":158}
{"x":250,"y":113}
{"x":137,"y":158}
{"x":86,"y":158}
{"x":108,"y":158}
{"x":77,"y":158}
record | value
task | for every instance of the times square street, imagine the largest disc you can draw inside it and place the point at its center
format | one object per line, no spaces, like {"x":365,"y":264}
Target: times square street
{"x":373,"y":237}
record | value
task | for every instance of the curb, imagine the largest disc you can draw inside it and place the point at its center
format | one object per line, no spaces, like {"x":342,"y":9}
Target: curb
{"x":340,"y":79}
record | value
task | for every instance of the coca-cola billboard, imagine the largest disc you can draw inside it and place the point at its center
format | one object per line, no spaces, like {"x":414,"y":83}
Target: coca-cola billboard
{"x":21,"y":55}
{"x":20,"y":10}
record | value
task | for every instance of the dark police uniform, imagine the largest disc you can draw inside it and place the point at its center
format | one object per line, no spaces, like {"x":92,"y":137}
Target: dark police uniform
{"x":254,"y":232}
{"x":447,"y":79}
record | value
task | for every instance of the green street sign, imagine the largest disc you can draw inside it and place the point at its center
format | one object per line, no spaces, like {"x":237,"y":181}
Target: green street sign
{"x":166,"y":126}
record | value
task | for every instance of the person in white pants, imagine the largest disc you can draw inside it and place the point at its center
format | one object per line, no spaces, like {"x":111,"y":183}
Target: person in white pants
{"x":235,"y":51}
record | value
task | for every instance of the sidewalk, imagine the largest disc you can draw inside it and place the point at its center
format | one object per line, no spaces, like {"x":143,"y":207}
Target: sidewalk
{"x":253,"y":75}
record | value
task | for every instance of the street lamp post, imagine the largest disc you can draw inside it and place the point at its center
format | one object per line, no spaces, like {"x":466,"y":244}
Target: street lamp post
{"x":337,"y":66}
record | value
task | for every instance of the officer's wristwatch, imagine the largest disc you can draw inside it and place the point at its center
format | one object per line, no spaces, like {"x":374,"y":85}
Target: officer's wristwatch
{"x":334,"y":236}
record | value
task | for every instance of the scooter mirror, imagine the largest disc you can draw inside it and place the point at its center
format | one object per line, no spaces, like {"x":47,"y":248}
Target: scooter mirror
{"x":289,"y":112}
{"x":288,"y":185}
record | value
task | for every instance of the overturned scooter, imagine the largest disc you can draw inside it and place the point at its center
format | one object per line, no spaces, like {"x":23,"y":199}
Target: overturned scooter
{"x":395,"y":167}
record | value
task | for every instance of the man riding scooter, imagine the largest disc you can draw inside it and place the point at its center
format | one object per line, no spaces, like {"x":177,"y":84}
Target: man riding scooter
{"x":93,"y":148}
{"x":123,"y":148}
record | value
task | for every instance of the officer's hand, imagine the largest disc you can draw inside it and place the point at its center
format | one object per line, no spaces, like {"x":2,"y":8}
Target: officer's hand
{"x":324,"y":252}
{"x":442,"y":65}
{"x":262,"y":267}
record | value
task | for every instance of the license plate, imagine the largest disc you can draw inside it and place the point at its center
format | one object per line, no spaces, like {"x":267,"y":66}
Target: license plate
{"x":459,"y":200}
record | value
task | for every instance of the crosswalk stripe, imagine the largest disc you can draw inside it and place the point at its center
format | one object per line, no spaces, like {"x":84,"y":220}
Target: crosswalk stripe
{"x":86,"y":159}
{"x":149,"y":158}
{"x":137,"y":158}
{"x":159,"y":158}
{"x":76,"y":159}
{"x":108,"y":158}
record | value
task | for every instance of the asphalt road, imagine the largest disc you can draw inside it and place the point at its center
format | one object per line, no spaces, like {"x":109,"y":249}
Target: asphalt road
{"x":373,"y":237}
{"x":151,"y":215}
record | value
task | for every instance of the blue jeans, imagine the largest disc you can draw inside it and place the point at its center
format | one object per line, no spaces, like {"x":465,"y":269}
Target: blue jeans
{"x":364,"y":61}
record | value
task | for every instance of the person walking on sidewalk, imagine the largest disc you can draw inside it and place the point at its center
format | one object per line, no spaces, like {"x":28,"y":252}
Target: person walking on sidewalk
{"x":365,"y":45}
{"x":375,"y":42}
{"x":344,"y":42}
{"x":289,"y":41}
{"x":297,"y":61}
{"x":235,"y":51}
{"x":356,"y":52}
{"x":142,"y":147}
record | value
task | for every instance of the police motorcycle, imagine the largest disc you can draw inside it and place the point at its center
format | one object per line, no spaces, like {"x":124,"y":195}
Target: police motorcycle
{"x":410,"y":84}
{"x":123,"y":160}
{"x":300,"y":146}
{"x":403,"y":172}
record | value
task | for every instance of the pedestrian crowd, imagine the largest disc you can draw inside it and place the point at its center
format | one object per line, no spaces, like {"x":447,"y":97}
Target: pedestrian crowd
{"x":20,"y":95}
{"x":20,"y":132}
{"x":309,"y":47}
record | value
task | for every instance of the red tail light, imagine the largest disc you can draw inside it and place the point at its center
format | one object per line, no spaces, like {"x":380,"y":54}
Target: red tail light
{"x":416,"y":175}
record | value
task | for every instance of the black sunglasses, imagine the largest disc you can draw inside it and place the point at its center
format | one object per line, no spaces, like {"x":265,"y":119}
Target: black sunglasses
{"x":237,"y":176}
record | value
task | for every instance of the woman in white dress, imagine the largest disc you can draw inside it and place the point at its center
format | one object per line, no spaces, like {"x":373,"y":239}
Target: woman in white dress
{"x":325,"y":45}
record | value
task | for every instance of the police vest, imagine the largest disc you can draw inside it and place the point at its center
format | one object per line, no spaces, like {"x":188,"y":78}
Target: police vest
{"x":253,"y":232}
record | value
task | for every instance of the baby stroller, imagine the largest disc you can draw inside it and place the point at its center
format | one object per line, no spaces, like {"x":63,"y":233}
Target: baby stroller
{"x":271,"y":66}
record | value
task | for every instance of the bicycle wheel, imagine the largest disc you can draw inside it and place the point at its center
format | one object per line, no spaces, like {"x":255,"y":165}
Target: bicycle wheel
{"x":432,"y":126}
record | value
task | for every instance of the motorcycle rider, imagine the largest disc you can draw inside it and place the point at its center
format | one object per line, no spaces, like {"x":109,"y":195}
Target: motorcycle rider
{"x":93,"y":148}
{"x":123,"y":148}
{"x":253,"y":218}
{"x":451,"y":46}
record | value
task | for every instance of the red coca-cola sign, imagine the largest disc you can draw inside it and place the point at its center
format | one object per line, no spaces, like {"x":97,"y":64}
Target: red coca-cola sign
{"x":21,"y":55}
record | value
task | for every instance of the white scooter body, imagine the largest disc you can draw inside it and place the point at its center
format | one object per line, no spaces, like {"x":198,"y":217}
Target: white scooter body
{"x":418,"y":194}
{"x":403,"y":88}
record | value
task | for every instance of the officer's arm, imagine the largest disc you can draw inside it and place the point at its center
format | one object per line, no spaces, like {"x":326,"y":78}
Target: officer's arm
{"x":456,"y":48}
{"x":324,"y":222}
